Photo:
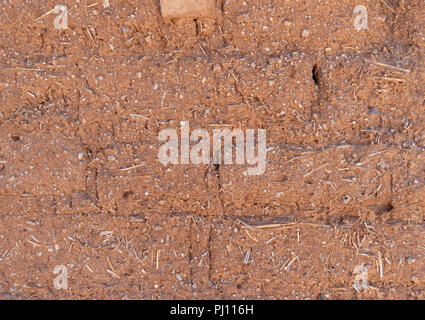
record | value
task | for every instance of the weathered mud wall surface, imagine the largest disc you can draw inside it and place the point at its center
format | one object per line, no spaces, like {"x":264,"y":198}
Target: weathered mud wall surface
{"x":80,"y":181}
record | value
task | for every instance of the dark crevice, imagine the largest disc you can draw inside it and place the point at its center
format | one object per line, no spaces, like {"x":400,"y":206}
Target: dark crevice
{"x":190,"y":255}
{"x":216,"y":169}
{"x":54,"y":205}
{"x":384,"y":208}
{"x":96,"y":191}
{"x":210,"y":263}
{"x":127,"y":194}
{"x":198,"y":29}
{"x":316,"y":75}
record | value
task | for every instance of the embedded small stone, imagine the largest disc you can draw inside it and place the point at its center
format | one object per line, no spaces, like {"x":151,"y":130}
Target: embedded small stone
{"x":305,"y":33}
{"x":172,"y":9}
{"x":217,"y":68}
{"x":411,"y":260}
{"x":414,"y":279}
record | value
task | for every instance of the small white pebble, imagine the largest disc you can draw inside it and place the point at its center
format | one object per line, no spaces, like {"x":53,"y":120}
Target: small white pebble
{"x":305,"y":33}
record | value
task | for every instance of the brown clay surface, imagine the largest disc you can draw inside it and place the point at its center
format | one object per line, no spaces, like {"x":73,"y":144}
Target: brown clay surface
{"x":345,"y":178}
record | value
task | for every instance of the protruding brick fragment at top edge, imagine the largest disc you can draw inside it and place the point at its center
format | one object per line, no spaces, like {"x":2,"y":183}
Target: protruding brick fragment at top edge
{"x":172,"y":9}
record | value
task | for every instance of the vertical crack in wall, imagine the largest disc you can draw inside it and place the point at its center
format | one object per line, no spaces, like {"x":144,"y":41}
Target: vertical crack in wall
{"x":210,"y":258}
{"x":216,"y":168}
{"x":190,"y":257}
